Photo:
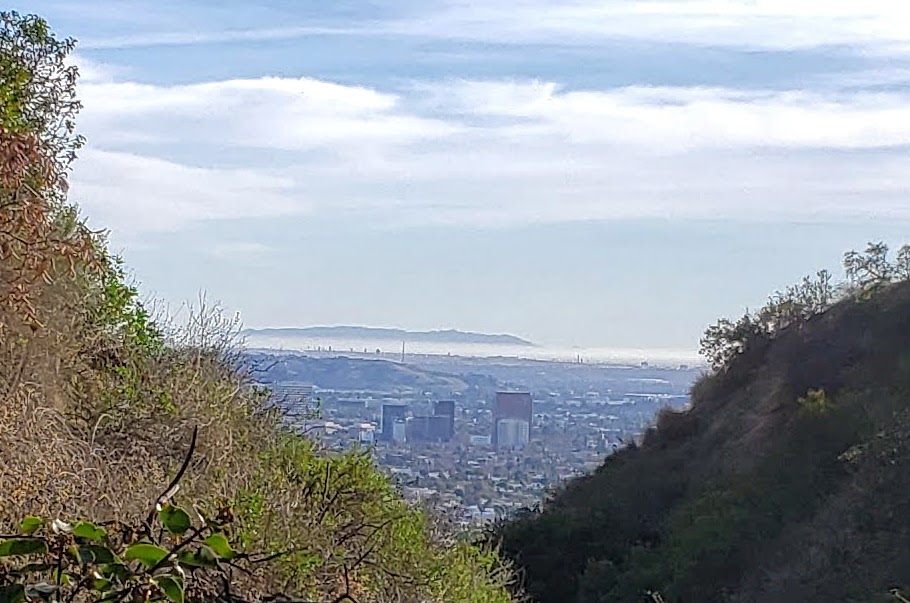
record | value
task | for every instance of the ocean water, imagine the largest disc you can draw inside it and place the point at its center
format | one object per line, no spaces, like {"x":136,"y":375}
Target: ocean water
{"x":388,"y":348}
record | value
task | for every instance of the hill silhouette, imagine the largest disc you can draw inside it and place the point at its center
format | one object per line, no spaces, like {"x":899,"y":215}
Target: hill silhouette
{"x":785,"y":481}
{"x":381,"y":334}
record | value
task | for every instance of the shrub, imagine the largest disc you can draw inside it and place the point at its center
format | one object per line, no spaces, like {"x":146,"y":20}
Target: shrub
{"x":815,"y":401}
{"x":173,"y":555}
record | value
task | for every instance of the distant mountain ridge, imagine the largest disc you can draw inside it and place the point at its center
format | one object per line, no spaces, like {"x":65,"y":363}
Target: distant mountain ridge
{"x":373,"y":333}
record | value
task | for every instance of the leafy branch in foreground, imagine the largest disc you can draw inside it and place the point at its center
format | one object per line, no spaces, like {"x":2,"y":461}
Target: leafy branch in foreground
{"x":81,"y":561}
{"x":175,"y":555}
{"x":172,"y":556}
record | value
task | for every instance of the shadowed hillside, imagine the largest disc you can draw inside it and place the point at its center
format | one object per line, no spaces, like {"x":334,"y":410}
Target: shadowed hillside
{"x":787,"y":480}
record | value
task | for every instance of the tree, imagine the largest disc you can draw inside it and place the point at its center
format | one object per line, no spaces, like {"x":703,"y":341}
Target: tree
{"x":725,"y":340}
{"x":817,"y":295}
{"x":902,"y":267}
{"x":869,"y":269}
{"x":38,"y":103}
{"x":798,"y":302}
{"x":41,"y":237}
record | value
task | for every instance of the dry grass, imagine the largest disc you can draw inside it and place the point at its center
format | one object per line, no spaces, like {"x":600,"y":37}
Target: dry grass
{"x":97,"y":407}
{"x":92,"y":426}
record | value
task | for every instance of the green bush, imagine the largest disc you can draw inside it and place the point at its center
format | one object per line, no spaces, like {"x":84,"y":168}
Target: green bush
{"x":815,"y":401}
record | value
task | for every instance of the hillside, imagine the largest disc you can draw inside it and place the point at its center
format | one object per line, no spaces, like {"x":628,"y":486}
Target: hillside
{"x":139,"y":460}
{"x":340,"y":372}
{"x":785,"y":481}
{"x":397,"y":335}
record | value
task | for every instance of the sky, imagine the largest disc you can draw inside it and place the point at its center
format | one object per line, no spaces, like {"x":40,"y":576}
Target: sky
{"x":589,"y":173}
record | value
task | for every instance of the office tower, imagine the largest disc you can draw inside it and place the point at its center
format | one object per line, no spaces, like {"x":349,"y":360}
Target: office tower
{"x":391,"y":413}
{"x":512,"y":433}
{"x":511,"y":405}
{"x":399,"y":431}
{"x":429,"y":428}
{"x":446,"y":408}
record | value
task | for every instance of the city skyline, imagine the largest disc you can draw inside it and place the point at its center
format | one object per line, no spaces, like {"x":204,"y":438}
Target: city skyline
{"x":594,"y":174}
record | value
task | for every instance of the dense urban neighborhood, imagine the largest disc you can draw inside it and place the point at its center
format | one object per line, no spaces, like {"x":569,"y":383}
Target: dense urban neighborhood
{"x":479,"y":437}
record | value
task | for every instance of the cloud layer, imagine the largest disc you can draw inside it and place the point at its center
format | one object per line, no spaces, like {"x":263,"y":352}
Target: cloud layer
{"x":278,"y":153}
{"x":769,"y":24}
{"x":876,"y":25}
{"x":486,"y":152}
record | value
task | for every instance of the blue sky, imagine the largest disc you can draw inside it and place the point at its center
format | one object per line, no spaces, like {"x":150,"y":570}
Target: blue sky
{"x":615,"y":173}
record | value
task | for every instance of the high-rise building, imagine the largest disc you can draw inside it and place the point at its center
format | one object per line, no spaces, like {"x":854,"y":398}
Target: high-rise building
{"x":429,"y":428}
{"x":399,"y":431}
{"x":446,"y":408}
{"x":511,"y":405}
{"x":512,"y":433}
{"x":391,"y":413}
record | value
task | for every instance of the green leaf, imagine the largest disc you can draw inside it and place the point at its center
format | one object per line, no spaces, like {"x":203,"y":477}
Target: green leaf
{"x":172,"y":587}
{"x":30,"y":525}
{"x":207,"y":555}
{"x":102,"y":554}
{"x":115,"y":572}
{"x":147,"y":554}
{"x":218,"y":542}
{"x":204,"y":557}
{"x":176,"y":520}
{"x":61,"y":577}
{"x":89,"y":531}
{"x":34,"y":568}
{"x":13,"y":593}
{"x":42,"y":590}
{"x":82,"y":555}
{"x":88,"y":554}
{"x":102,"y":585}
{"x":18,"y":547}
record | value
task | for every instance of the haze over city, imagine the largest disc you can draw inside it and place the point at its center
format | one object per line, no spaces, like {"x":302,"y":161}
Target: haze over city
{"x":598,"y":174}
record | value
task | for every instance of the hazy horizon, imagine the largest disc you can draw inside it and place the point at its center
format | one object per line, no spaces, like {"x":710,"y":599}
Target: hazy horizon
{"x":389,"y":348}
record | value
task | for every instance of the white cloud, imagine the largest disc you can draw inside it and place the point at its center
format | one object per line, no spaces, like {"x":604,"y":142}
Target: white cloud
{"x":774,"y":24}
{"x":91,"y":71}
{"x":268,"y":112}
{"x":757,"y":186}
{"x":877,"y":25}
{"x":487,"y":153}
{"x":133,"y":193}
{"x":665,"y":118}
